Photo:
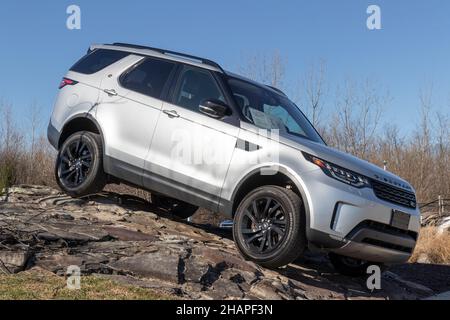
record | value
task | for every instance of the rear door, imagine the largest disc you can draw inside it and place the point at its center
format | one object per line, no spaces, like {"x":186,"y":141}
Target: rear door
{"x":128,"y":112}
{"x":191,"y":152}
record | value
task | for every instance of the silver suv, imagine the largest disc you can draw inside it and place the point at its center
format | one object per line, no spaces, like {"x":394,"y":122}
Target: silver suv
{"x":198,"y":136}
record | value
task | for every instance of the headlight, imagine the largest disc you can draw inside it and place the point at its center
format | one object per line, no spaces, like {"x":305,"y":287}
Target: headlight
{"x":336,"y":172}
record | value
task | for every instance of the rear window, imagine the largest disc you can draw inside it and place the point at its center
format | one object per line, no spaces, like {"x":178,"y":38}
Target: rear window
{"x":148,"y":77}
{"x":98,"y":60}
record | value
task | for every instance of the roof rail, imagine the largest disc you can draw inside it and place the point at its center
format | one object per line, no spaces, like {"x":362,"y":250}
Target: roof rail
{"x":277,"y":90}
{"x":172,"y":53}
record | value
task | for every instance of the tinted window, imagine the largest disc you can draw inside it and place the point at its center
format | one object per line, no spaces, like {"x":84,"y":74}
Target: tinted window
{"x":148,"y":77}
{"x":98,"y":60}
{"x":267,"y":109}
{"x":283,"y":118}
{"x":196,"y":85}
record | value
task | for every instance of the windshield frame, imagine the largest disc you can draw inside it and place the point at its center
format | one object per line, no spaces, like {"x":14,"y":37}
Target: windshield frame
{"x":280,"y":95}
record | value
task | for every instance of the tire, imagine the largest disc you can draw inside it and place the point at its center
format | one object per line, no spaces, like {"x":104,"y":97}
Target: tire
{"x":349,"y":266}
{"x":277,"y":226}
{"x":81,"y":155}
{"x":175,"y":207}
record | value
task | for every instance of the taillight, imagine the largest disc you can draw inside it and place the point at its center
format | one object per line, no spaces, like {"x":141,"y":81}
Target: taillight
{"x":67,"y":82}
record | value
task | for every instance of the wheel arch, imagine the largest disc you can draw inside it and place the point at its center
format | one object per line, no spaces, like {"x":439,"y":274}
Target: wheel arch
{"x":254,"y":179}
{"x":80,"y":122}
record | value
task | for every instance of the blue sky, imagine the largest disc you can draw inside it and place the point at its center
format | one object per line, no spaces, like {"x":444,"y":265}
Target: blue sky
{"x":410,"y":52}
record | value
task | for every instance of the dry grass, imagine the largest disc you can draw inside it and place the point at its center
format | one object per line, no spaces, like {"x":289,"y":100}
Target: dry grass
{"x":33,"y":285}
{"x":434,"y":245}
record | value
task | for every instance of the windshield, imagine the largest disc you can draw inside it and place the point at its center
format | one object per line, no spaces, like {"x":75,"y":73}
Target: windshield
{"x":269,"y":110}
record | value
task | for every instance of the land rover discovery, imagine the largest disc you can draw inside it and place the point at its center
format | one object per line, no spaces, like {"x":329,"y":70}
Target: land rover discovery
{"x":195,"y":135}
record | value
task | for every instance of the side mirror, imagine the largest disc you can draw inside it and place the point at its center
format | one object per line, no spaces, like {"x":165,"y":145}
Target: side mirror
{"x":214,"y":108}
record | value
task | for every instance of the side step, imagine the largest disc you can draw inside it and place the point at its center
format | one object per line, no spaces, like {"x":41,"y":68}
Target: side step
{"x":226,"y":224}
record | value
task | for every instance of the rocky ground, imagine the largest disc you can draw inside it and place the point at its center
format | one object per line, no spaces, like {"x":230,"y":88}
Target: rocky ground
{"x":127,"y":240}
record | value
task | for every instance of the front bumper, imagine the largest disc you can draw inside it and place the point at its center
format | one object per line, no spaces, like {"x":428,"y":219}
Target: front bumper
{"x":356,"y":223}
{"x":372,"y":253}
{"x":378,"y":242}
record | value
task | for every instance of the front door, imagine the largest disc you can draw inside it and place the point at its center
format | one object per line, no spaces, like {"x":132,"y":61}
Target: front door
{"x":191,"y":152}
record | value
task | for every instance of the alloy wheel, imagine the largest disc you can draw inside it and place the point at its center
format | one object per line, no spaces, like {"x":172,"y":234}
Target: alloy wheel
{"x":263,"y":226}
{"x":75,"y":163}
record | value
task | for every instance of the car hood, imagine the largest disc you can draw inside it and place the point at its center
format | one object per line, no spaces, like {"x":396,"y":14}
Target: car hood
{"x":347,"y":161}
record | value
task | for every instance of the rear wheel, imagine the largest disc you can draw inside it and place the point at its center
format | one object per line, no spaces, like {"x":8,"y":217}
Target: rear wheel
{"x":176,"y":207}
{"x":79,"y":165}
{"x":269,"y":226}
{"x":350,"y":266}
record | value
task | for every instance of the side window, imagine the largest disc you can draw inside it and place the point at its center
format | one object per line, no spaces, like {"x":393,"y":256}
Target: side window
{"x":195,"y":86}
{"x":98,"y":60}
{"x":148,"y":77}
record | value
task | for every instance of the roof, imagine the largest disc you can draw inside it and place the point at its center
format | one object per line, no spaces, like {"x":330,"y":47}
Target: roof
{"x":237,"y":76}
{"x":162,"y":53}
{"x":179,"y":57}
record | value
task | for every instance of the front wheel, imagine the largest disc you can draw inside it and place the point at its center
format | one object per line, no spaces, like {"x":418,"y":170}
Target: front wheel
{"x":79,"y":165}
{"x":269,"y":226}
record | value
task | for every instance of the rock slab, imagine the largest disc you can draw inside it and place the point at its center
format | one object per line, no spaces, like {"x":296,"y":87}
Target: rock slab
{"x":131,"y":241}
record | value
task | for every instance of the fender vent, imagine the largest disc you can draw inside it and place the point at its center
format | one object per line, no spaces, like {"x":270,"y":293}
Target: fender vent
{"x":247,"y":146}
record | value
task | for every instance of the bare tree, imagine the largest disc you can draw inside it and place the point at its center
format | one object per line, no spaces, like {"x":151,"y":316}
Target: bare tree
{"x":443,"y":146}
{"x":426,"y":105}
{"x":34,"y":140}
{"x":311,"y":92}
{"x":34,"y":119}
{"x":269,"y":70}
{"x":358,"y":113}
{"x":443,"y":132}
{"x":10,"y":147}
{"x":6,"y":126}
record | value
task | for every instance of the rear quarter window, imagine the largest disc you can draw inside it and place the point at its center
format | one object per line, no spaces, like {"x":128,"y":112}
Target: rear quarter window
{"x":148,"y":77}
{"x":98,"y":60}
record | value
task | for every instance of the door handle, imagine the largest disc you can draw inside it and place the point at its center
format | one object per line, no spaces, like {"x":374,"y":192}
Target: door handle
{"x":110,"y":92}
{"x":171,"y":113}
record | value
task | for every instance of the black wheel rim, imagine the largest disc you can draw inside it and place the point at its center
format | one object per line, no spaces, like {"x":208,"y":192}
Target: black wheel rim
{"x":263,"y":226}
{"x":75,"y":163}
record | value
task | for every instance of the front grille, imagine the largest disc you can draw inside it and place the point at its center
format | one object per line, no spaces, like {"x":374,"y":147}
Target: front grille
{"x":394,"y":195}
